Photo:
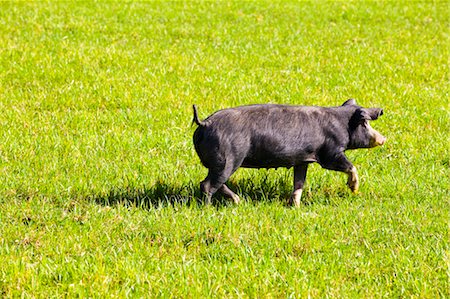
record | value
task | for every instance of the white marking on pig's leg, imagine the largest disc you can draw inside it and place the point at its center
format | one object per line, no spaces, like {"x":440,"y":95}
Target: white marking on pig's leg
{"x":299,"y":181}
{"x":230,"y":194}
{"x":296,"y":195}
{"x":353,"y":181}
{"x":339,"y":162}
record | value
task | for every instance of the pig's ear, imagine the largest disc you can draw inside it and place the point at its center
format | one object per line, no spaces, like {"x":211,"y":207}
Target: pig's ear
{"x":349,"y":102}
{"x":359,"y":117}
{"x":374,"y":113}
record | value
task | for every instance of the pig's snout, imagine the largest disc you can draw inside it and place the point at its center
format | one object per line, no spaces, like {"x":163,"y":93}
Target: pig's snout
{"x":377,"y":139}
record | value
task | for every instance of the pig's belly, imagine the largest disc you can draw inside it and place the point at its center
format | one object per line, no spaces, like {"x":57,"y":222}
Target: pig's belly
{"x":275,"y":162}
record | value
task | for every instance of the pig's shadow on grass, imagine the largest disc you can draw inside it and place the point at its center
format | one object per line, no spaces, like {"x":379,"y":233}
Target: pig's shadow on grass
{"x":158,"y":195}
{"x":164,"y":194}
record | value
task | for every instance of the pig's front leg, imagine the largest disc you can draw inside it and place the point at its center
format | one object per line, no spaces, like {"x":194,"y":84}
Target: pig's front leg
{"x":353,"y":181}
{"x":299,"y":181}
{"x":339,"y":162}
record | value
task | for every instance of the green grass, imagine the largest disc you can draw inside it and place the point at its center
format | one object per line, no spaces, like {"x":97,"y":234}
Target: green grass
{"x":99,"y":191}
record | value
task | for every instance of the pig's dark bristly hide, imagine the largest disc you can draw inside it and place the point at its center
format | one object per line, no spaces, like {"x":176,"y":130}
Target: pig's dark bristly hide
{"x":265,"y":136}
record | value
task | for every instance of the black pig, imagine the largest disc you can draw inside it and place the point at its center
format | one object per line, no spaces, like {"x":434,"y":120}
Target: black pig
{"x":271,"y":136}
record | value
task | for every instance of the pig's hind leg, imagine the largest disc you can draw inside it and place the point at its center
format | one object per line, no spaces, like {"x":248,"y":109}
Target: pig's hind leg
{"x":230,"y":194}
{"x":341,"y":163}
{"x":215,"y":181}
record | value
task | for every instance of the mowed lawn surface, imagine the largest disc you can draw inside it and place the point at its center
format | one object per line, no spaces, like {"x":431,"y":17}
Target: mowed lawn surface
{"x":99,"y":191}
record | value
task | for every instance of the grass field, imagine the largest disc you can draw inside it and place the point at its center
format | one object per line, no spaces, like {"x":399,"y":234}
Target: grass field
{"x":99,"y":179}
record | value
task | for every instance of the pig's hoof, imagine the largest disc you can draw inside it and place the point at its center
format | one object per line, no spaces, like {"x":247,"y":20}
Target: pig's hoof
{"x":353,"y":189}
{"x":207,"y":200}
{"x":236,"y":199}
{"x":293,"y":202}
{"x":354,"y":186}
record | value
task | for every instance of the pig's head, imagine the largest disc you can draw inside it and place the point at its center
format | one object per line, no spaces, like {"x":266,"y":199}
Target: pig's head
{"x":361,"y":134}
